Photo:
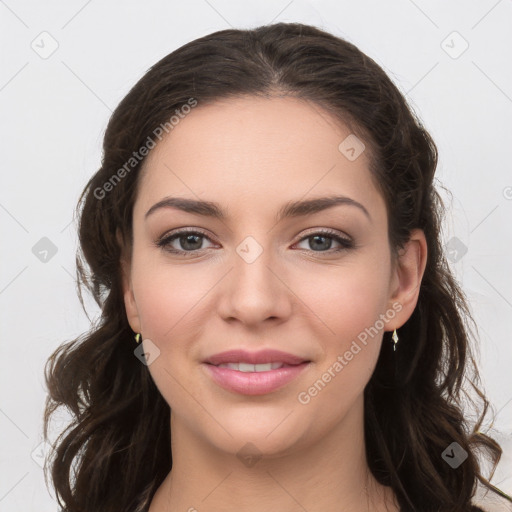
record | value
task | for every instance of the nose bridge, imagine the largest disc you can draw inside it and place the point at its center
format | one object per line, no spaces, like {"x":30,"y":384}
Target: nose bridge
{"x":252,"y":291}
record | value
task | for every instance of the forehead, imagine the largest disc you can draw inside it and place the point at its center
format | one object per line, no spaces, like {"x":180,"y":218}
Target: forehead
{"x":259,"y":149}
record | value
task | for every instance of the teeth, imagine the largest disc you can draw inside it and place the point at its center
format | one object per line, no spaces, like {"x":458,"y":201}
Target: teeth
{"x":247,"y":367}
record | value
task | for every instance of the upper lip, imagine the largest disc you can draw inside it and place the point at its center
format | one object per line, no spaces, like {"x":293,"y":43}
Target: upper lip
{"x":260,"y":357}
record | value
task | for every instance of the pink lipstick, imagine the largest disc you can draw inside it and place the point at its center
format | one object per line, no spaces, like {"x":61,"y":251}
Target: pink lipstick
{"x":254,"y":373}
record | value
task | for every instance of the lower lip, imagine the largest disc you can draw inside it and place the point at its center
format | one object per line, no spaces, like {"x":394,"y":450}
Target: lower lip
{"x":254,"y":383}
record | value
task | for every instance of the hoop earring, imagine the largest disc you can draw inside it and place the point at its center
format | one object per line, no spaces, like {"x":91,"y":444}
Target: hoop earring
{"x":395,"y":340}
{"x":137,"y":338}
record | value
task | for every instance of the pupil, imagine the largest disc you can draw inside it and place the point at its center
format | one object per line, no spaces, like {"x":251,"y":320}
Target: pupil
{"x":187,"y":238}
{"x":326,"y":244}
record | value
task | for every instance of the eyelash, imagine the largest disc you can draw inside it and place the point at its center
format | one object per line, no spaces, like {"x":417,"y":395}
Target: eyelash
{"x":164,"y":241}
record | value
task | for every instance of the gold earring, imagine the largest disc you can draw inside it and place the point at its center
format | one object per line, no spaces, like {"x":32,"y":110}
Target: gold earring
{"x":395,"y":340}
{"x":137,"y":337}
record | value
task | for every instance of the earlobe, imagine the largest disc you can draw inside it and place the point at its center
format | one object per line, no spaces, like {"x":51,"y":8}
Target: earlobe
{"x":132,"y":313}
{"x":130,"y":305}
{"x":407,"y":277}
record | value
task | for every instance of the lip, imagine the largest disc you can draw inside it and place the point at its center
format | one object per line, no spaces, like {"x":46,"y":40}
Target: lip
{"x":260,"y":357}
{"x":254,"y":383}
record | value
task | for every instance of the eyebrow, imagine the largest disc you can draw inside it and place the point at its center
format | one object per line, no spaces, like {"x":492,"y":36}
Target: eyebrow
{"x":290,"y":209}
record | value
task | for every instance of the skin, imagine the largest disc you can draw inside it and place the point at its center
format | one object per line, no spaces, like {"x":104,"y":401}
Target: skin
{"x":252,"y":155}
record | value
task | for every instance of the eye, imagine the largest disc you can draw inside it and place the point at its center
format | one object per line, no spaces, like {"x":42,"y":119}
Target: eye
{"x":323,"y":240}
{"x":190,"y":241}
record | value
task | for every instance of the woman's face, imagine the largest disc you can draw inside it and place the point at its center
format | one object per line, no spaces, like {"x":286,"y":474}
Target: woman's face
{"x":256,"y":279}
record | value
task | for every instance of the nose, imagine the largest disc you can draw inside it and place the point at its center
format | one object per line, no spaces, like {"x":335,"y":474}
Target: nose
{"x":255,"y":292}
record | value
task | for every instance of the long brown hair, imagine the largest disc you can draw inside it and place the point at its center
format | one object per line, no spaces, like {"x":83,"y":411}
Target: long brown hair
{"x":116,"y":452}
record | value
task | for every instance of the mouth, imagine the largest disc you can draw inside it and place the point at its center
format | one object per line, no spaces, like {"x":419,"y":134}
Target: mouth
{"x":265,"y":356}
{"x":256,"y":373}
{"x":248,"y":367}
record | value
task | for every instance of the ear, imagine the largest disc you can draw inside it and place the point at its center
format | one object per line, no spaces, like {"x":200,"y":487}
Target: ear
{"x":406,"y":278}
{"x":132,"y":313}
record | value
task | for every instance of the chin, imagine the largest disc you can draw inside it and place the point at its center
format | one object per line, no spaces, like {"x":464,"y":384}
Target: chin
{"x":268,"y":435}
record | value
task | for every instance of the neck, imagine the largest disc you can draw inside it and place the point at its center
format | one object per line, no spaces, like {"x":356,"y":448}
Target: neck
{"x":331,"y":475}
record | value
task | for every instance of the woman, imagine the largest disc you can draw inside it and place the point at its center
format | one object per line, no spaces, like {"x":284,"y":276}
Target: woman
{"x":280,"y":329}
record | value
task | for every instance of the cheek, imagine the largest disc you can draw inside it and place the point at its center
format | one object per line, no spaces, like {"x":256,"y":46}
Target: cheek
{"x":170,"y":301}
{"x":349,"y":303}
{"x":346,"y":300}
{"x":350,"y":335}
{"x":167,"y":296}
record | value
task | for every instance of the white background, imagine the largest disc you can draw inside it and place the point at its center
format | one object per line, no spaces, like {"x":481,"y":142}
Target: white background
{"x":54,"y":111}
